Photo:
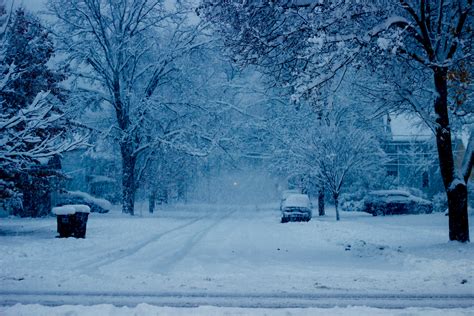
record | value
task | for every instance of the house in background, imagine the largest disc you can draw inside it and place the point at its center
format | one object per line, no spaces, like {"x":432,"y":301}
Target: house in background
{"x":413,"y":157}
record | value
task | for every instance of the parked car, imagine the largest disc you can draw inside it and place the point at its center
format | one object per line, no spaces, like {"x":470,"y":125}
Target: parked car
{"x":296,"y":207}
{"x":392,"y":202}
{"x":286,"y":193}
{"x":96,"y":205}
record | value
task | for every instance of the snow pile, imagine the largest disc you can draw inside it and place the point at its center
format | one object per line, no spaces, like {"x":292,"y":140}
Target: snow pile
{"x":146,"y":309}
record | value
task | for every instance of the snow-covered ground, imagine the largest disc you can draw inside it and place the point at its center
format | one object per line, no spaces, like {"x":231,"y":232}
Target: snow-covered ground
{"x":145,"y":309}
{"x":234,"y":251}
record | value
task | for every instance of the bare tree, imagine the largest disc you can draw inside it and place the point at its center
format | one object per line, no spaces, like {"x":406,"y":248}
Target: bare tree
{"x":342,"y":150}
{"x":330,"y":152}
{"x":305,"y":44}
{"x":123,"y":51}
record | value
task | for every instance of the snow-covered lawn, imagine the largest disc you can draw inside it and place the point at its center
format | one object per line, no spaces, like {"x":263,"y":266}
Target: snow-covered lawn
{"x":236,"y":250}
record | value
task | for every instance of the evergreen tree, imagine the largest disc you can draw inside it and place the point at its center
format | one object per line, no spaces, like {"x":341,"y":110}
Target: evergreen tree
{"x":33,"y":127}
{"x":29,"y":48}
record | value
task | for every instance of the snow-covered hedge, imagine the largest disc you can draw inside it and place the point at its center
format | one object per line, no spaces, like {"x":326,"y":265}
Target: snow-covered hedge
{"x":353,"y":202}
{"x":89,"y":198}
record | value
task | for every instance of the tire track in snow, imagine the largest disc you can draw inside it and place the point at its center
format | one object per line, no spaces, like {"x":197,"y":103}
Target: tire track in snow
{"x":110,"y":257}
{"x":166,"y":264}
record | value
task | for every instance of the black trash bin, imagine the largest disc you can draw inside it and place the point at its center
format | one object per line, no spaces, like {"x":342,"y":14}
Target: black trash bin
{"x":72,"y":220}
{"x":65,"y":219}
{"x":80,"y":220}
{"x":80,"y":224}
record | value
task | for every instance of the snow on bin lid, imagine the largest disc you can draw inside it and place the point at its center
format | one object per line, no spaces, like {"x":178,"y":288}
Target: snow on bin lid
{"x":64,"y":210}
{"x":81,"y":208}
{"x":296,"y":200}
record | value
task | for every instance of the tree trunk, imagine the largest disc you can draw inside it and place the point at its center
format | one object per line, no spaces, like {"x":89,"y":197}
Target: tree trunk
{"x":151,"y":201}
{"x":455,"y":187}
{"x":128,"y":178}
{"x":321,"y":210}
{"x":336,"y":205}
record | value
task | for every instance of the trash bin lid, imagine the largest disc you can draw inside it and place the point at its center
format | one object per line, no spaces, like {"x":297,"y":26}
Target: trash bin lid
{"x":81,"y":208}
{"x":64,"y":210}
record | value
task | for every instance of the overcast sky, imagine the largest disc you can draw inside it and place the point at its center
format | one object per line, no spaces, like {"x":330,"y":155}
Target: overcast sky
{"x":33,"y":5}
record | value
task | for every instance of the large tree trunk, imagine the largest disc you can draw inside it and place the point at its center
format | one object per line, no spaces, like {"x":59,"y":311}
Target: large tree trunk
{"x":321,"y":209}
{"x":336,"y":205}
{"x":455,"y":186}
{"x":128,"y":178}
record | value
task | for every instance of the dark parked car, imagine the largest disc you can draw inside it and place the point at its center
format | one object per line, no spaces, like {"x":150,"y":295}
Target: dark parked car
{"x":96,"y":205}
{"x":392,"y":202}
{"x":296,"y":207}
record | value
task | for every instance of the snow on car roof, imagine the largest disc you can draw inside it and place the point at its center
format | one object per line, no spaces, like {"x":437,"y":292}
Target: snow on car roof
{"x":91,"y":199}
{"x":286,"y":193}
{"x":296,"y":200}
{"x":388,"y":196}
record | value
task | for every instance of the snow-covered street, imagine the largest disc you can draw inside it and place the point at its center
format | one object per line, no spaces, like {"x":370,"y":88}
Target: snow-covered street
{"x":191,"y":255}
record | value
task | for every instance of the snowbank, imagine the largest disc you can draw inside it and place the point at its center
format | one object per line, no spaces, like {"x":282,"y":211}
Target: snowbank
{"x":145,"y":309}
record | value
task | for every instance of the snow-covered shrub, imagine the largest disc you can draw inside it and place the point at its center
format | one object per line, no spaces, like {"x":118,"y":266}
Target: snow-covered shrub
{"x":440,"y":202}
{"x":10,"y":200}
{"x":11,"y":206}
{"x":353,"y":202}
{"x":415,"y":191}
